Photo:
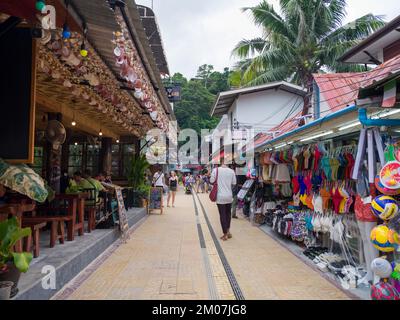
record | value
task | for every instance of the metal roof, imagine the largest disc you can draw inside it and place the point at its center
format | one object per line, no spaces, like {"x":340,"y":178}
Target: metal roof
{"x":328,"y":122}
{"x":153,"y":33}
{"x":382,"y":73}
{"x":339,"y":89}
{"x":226,"y":99}
{"x":373,"y":44}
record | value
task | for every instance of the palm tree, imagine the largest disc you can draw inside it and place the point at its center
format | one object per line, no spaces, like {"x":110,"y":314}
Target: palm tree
{"x":308,"y":36}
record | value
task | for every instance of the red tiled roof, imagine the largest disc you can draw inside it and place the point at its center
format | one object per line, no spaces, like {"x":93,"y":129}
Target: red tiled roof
{"x":339,"y":90}
{"x":381,"y":72}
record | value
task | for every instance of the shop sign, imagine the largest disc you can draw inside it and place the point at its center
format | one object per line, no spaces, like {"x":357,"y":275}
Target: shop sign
{"x":174,"y":93}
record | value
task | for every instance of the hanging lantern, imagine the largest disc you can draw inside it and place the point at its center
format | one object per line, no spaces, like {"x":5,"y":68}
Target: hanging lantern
{"x":40,"y":5}
{"x":153,"y":115}
{"x":117,"y":52}
{"x":138,"y":84}
{"x":132,"y":76}
{"x":138,"y":94}
{"x":66,"y":34}
{"x":67,"y":83}
{"x":83,"y":51}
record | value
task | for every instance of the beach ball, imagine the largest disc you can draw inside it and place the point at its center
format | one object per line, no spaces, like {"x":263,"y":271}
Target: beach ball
{"x":382,"y":189}
{"x":382,"y":268}
{"x":384,"y":239}
{"x":384,"y":291}
{"x":385,"y":207}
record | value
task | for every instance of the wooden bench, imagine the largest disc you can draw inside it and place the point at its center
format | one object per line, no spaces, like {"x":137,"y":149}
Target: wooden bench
{"x":57,"y":231}
{"x":34,"y":237}
{"x":92,"y":206}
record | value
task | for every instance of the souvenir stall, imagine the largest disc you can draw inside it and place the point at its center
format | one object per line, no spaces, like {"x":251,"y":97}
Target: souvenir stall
{"x":378,"y":215}
{"x":321,"y":196}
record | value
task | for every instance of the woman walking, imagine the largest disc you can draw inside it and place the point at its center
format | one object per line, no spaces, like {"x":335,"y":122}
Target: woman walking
{"x":226,"y":179}
{"x":206,"y":180}
{"x":173,"y":187}
{"x":159,"y":182}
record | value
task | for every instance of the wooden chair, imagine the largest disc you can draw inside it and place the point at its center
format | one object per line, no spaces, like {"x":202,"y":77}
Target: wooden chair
{"x":57,"y":230}
{"x":56,"y":213}
{"x":92,"y":207}
{"x":35,"y":236}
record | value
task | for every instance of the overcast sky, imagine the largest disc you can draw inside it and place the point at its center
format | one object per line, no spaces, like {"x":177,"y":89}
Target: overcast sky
{"x":197,"y":32}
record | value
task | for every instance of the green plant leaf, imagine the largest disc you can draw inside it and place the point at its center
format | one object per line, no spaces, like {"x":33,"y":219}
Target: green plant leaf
{"x":19,"y":233}
{"x":7,"y":229}
{"x":22,"y":260}
{"x":10,"y":233}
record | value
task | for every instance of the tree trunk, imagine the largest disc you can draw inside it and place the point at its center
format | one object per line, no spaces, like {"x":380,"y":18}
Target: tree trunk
{"x":307,"y":98}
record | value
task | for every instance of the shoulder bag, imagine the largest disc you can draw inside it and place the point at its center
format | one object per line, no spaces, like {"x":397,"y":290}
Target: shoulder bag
{"x":214,"y":190}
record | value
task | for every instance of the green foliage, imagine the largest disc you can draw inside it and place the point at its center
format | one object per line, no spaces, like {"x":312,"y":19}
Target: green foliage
{"x":10,"y":233}
{"x":306,"y":37}
{"x":136,"y":172}
{"x":144,"y":191}
{"x":198,"y":96}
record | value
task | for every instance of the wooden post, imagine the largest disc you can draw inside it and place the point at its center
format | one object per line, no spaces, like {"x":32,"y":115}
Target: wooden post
{"x":137,"y":147}
{"x":105,"y":155}
{"x":65,"y":151}
{"x":53,"y":159}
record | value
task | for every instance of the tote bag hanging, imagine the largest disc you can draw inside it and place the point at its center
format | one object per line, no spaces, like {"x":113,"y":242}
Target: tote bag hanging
{"x":214,"y":190}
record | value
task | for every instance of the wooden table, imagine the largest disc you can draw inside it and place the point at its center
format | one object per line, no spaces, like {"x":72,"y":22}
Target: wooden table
{"x":17,"y":210}
{"x":76,"y":209}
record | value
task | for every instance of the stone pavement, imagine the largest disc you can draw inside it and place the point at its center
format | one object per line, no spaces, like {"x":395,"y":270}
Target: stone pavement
{"x":266,"y":270}
{"x":173,"y":256}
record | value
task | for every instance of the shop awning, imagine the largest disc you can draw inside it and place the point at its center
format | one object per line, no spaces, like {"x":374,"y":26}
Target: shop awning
{"x":332,"y":124}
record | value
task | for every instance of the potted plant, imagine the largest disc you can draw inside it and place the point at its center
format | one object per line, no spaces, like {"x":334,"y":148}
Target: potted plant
{"x":144,"y":194}
{"x":13,"y":263}
{"x":137,"y":180}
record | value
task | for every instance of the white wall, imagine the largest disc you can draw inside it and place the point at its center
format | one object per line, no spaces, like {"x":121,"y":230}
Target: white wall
{"x":265,"y":110}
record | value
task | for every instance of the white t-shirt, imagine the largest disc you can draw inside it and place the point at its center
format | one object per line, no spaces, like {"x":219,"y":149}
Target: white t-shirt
{"x":226,"y":179}
{"x":159,"y":179}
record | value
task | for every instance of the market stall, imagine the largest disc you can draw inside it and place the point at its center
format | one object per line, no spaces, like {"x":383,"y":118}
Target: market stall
{"x":334,"y":192}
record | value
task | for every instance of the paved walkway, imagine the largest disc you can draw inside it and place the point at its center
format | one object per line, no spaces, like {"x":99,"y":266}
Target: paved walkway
{"x":174,"y":256}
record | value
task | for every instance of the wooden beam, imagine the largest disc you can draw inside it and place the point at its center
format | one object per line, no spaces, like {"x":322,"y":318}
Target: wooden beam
{"x":84,"y":123}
